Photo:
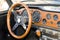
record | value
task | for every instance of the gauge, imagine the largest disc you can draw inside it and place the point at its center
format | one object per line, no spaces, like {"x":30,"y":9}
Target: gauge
{"x":55,"y":17}
{"x":44,"y":21}
{"x":36,"y":16}
{"x":48,"y":16}
{"x":58,"y":23}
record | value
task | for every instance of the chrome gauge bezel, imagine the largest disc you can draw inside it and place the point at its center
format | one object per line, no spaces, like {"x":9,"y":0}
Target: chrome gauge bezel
{"x":36,"y":15}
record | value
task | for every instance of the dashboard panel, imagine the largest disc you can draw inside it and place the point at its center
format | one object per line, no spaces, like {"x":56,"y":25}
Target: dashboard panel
{"x":50,"y":19}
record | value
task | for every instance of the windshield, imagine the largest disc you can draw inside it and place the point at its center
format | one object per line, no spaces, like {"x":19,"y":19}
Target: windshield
{"x":51,"y":8}
{"x":38,"y":1}
{"x":48,"y":8}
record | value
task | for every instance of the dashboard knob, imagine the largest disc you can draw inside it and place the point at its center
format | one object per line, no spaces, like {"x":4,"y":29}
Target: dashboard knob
{"x":38,"y":33}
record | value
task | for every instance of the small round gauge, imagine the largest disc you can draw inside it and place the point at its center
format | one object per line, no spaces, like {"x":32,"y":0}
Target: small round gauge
{"x":58,"y":23}
{"x":55,"y":17}
{"x":36,"y":16}
{"x":44,"y":21}
{"x":48,"y":16}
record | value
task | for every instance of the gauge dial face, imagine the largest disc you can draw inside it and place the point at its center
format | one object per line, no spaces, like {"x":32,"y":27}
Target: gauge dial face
{"x":36,"y":16}
{"x":55,"y":17}
{"x":44,"y":21}
{"x":58,"y":23}
{"x":48,"y":16}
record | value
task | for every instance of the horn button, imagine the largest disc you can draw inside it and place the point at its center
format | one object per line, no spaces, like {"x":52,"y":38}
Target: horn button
{"x":20,"y":19}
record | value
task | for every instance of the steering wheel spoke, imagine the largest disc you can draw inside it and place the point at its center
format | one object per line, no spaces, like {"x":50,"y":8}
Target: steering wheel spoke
{"x":15,"y":26}
{"x":24,"y":26}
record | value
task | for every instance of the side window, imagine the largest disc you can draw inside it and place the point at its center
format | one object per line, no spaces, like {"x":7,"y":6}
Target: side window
{"x":3,"y":5}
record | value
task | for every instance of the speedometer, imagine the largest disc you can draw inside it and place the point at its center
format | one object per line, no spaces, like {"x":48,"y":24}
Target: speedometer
{"x":36,"y":16}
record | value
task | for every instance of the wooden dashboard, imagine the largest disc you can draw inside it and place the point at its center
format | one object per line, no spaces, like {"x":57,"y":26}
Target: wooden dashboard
{"x":52,"y":19}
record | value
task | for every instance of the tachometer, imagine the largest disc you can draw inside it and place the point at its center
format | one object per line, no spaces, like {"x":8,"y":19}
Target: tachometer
{"x":36,"y":16}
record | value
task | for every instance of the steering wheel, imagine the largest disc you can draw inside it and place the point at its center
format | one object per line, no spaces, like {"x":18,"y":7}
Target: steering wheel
{"x":19,"y":22}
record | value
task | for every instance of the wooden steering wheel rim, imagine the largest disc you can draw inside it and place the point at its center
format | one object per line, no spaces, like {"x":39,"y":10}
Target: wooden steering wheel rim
{"x":8,"y":21}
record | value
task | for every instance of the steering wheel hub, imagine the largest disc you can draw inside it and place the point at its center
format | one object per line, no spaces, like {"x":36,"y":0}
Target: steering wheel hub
{"x":18,"y":19}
